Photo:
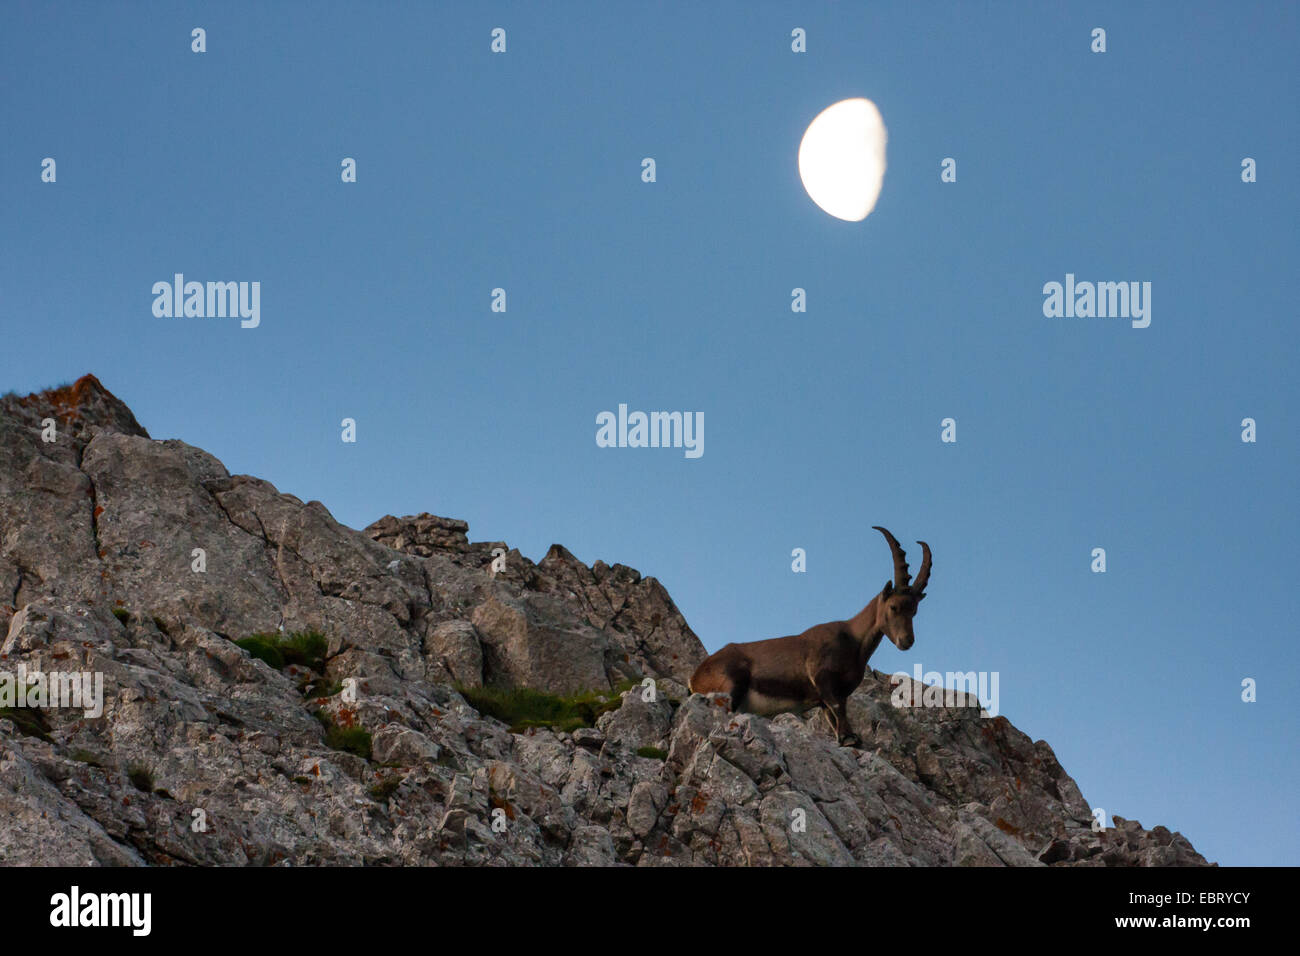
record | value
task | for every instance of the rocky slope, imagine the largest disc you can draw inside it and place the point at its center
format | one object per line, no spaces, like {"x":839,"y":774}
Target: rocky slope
{"x":204,"y":754}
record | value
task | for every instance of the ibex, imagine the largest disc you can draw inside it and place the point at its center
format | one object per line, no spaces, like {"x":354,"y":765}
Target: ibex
{"x":823,"y":665}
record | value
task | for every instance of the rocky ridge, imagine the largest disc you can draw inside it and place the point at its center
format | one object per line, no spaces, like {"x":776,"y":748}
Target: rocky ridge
{"x":204,"y":754}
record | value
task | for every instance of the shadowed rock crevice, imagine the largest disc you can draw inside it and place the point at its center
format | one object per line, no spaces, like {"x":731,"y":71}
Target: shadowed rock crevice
{"x":381,"y":760}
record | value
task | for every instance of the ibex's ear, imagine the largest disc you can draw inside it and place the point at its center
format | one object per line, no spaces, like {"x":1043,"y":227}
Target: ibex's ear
{"x":920,"y":597}
{"x":888,"y":589}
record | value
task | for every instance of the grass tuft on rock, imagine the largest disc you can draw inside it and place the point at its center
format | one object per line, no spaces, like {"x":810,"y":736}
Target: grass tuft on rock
{"x":353,"y":740}
{"x":316,"y":688}
{"x":653,"y":753}
{"x":29,"y":721}
{"x":141,"y":777}
{"x":81,"y":755}
{"x":264,"y":648}
{"x":381,"y":791}
{"x":304,"y":648}
{"x":524,"y":707}
{"x":122,"y":614}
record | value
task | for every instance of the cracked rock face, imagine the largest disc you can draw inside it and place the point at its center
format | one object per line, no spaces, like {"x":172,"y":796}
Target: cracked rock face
{"x":142,"y":561}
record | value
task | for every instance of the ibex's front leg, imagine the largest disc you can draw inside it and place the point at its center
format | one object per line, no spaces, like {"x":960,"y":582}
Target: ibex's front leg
{"x":837,"y":707}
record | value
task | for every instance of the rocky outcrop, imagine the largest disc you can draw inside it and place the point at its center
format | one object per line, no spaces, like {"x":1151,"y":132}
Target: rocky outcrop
{"x":610,"y":619}
{"x":142,"y":561}
{"x":425,"y":535}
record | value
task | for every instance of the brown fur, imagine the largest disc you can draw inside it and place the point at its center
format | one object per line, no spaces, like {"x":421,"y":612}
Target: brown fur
{"x":823,"y":665}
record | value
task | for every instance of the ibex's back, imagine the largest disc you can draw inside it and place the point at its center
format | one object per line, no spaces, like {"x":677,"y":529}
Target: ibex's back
{"x":775,"y":670}
{"x":823,"y":665}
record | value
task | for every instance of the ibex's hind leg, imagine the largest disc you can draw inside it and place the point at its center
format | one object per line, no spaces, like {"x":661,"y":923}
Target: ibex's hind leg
{"x":715,"y":677}
{"x":739,"y":680}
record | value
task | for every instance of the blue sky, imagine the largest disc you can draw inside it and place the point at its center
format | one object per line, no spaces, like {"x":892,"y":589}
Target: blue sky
{"x":522,"y":171}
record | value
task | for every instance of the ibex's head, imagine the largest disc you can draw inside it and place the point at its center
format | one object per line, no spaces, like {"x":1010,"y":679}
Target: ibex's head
{"x":898,"y":599}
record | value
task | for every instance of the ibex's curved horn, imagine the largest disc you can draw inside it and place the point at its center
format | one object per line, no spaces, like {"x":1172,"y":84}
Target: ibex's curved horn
{"x":901,"y":577}
{"x":923,"y":576}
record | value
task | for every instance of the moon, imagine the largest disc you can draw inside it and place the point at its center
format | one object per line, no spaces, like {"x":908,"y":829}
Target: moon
{"x":842,"y":158}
